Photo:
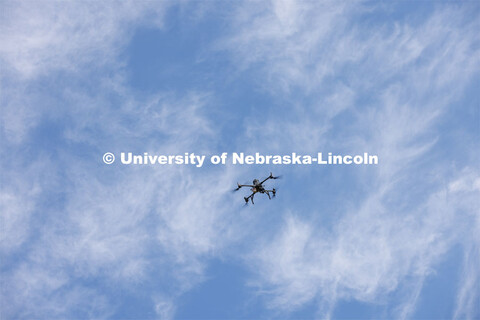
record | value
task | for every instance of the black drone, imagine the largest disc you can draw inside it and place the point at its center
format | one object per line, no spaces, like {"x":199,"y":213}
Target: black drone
{"x":257,"y":186}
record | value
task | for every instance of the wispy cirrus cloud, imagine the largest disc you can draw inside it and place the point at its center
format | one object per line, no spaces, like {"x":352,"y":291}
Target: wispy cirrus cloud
{"x":71,"y":226}
{"x":113,"y":228}
{"x":338,"y":77}
{"x":39,"y":38}
{"x":393,"y":83}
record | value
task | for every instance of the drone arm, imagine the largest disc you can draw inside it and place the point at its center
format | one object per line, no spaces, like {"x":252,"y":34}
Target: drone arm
{"x":242,"y":185}
{"x":269,"y":177}
{"x":264,"y":180}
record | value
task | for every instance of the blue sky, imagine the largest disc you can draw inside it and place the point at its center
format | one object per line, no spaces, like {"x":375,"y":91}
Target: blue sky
{"x":81,"y":239}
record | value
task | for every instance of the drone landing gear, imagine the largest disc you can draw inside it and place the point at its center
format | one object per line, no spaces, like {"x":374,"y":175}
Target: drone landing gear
{"x":273,"y":191}
{"x":249,"y":197}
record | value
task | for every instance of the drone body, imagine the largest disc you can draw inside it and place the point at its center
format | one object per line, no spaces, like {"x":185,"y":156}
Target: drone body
{"x":257,"y":187}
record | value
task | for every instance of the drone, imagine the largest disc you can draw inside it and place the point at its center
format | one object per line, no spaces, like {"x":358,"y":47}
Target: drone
{"x":257,"y":186}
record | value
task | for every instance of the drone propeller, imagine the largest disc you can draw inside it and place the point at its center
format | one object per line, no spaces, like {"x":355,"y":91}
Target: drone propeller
{"x":272,"y":177}
{"x":237,"y":188}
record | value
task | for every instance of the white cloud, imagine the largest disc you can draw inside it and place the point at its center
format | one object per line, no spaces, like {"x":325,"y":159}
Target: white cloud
{"x":319,"y":63}
{"x":368,"y":255}
{"x":164,"y":308}
{"x":120,"y":226}
{"x":109,"y":225}
{"x":51,"y":36}
{"x":57,"y":37}
{"x":467,"y":188}
{"x":401,"y":79}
